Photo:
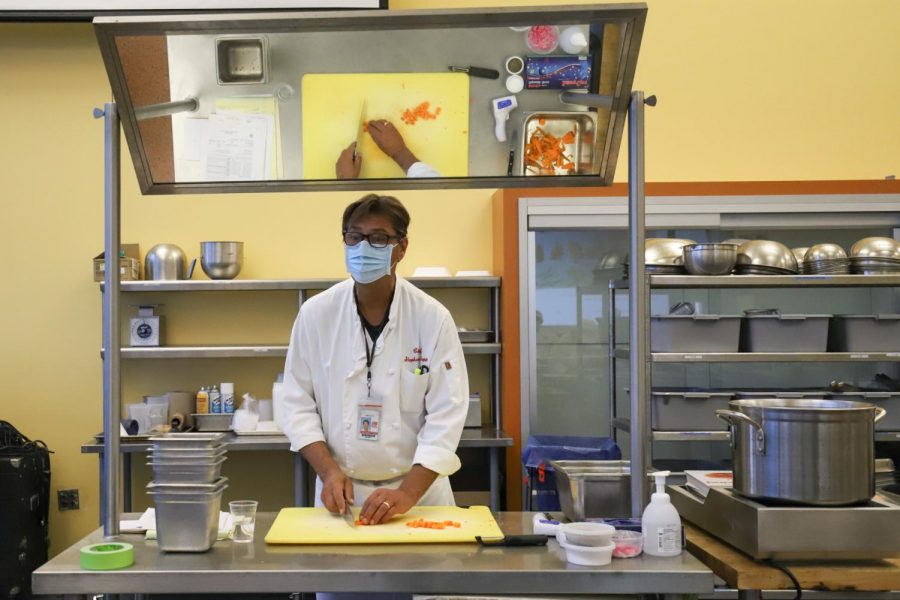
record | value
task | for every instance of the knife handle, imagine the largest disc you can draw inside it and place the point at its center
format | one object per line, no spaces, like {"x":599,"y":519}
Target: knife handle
{"x":483,"y":72}
{"x":513,"y":540}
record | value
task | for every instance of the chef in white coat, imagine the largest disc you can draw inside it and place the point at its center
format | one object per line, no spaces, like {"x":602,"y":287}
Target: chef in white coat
{"x":389,"y":140}
{"x":375,"y":386}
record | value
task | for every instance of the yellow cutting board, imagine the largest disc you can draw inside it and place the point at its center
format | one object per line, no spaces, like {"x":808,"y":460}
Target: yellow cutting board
{"x":318,"y":526}
{"x":331,"y":105}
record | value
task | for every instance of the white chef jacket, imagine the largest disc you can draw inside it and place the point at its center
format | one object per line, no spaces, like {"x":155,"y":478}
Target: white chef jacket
{"x":420,"y":169}
{"x":422,"y":416}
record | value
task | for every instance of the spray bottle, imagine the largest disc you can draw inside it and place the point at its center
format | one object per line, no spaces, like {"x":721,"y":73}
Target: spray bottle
{"x":661,"y":524}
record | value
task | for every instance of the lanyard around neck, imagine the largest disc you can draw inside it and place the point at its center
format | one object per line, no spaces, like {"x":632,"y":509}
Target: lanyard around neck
{"x":370,"y":356}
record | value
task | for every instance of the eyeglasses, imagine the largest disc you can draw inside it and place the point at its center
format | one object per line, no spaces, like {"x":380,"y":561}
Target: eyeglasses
{"x":376,"y":240}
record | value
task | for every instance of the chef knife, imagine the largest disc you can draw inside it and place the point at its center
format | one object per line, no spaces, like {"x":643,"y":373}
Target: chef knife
{"x":348,"y":516}
{"x":361,"y":130}
{"x":477,"y":72}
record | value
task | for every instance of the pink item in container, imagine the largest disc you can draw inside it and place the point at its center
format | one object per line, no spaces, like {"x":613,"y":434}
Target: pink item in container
{"x":542,"y":39}
{"x":628,"y":543}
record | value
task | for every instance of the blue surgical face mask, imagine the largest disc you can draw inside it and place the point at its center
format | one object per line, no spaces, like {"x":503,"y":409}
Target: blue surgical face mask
{"x":367,"y":264}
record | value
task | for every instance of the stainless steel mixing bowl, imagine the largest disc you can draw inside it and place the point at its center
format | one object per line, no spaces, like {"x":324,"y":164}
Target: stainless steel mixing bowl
{"x":824,"y":252}
{"x":222,"y":260}
{"x":710,"y":259}
{"x":664,"y":251}
{"x":766,"y":253}
{"x":799,"y":253}
{"x":880,"y":247}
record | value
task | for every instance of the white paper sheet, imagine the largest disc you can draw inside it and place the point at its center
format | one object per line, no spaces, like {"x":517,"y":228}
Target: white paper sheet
{"x":235,"y":148}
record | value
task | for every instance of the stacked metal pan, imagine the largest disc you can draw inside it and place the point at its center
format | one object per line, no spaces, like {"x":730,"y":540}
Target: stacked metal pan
{"x":875,"y":256}
{"x":663,"y":256}
{"x":187,"y":489}
{"x":825,"y":259}
{"x":765,"y":257}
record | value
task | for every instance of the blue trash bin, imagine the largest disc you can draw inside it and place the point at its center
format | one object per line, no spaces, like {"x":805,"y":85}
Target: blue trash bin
{"x":541,"y":449}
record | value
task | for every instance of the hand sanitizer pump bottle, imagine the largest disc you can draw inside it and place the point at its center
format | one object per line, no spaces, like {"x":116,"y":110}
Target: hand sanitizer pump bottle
{"x":661,"y":524}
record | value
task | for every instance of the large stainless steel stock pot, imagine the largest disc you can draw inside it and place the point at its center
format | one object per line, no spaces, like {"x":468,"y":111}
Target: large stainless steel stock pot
{"x":818,"y":452}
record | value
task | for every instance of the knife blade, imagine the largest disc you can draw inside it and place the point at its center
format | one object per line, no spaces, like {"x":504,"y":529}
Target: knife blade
{"x":348,"y":516}
{"x":361,"y":128}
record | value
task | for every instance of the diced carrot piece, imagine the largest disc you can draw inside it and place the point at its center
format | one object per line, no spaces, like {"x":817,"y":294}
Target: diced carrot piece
{"x":569,"y":137}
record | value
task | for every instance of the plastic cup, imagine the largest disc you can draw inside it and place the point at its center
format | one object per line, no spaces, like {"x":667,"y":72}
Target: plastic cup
{"x":243,"y":520}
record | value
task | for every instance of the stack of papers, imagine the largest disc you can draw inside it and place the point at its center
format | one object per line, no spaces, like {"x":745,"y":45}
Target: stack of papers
{"x":146,"y":524}
{"x":702,"y":481}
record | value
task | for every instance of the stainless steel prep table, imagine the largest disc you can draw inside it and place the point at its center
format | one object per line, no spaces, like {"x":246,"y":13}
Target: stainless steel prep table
{"x":419,"y":568}
{"x":484,"y":437}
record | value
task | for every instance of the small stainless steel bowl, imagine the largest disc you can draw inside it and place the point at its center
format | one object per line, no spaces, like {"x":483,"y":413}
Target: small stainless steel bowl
{"x":824,"y":252}
{"x":710,"y":259}
{"x":664,"y":251}
{"x":881,"y":247}
{"x":222,"y":260}
{"x":799,"y":253}
{"x":766,"y":253}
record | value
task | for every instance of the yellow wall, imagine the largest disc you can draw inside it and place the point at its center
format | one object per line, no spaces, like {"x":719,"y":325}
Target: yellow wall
{"x":749,"y":90}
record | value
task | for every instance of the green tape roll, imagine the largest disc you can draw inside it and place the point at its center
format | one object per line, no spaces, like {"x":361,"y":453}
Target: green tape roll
{"x":107,"y":556}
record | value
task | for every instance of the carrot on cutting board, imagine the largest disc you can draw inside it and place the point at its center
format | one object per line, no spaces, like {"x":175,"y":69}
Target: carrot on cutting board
{"x":425,"y":524}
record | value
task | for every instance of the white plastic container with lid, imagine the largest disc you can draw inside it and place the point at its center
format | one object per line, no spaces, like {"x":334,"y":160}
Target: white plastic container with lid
{"x":661,"y":523}
{"x":574,"y":39}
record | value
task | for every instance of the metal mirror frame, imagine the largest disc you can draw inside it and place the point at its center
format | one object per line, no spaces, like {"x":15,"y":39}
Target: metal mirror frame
{"x":632,"y":15}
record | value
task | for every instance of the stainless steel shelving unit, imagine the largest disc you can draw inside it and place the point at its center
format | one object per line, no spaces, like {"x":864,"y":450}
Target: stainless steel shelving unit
{"x":490,"y":438}
{"x":659,"y":282}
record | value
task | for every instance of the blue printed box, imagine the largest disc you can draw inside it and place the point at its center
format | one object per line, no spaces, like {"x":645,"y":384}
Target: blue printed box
{"x":557,"y":72}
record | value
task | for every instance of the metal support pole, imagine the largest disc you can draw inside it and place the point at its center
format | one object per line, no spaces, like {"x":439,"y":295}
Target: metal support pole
{"x":638,"y":304}
{"x":301,"y":474}
{"x":112,"y":343}
{"x":611,"y":354}
{"x":495,"y":359}
{"x":494,"y":454}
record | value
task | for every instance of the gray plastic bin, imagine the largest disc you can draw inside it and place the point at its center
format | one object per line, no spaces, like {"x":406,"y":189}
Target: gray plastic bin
{"x":785,"y":333}
{"x":688,"y":410}
{"x":695,"y":333}
{"x":889,"y":401}
{"x":866,"y":333}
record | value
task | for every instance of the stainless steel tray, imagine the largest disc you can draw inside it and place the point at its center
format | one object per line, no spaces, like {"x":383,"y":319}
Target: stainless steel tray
{"x":582,"y":150}
{"x":792,"y":532}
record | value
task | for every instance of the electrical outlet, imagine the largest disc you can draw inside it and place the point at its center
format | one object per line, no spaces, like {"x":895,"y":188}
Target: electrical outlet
{"x":67,"y":499}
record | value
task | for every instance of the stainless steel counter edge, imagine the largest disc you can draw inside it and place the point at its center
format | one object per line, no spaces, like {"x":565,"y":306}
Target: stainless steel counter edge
{"x":420,"y":568}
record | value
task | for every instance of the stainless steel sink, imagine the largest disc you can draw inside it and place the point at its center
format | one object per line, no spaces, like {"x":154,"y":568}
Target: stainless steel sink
{"x":582,"y":150}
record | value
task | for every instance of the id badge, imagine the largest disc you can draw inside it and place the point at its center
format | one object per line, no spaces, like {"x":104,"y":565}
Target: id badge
{"x":369,"y":424}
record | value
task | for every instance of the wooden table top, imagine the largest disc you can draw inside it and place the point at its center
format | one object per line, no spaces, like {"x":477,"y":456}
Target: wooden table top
{"x":743,"y":573}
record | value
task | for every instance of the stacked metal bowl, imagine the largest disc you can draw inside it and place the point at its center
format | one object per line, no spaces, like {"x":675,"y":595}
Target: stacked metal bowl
{"x":663,"y":256}
{"x":187,"y":489}
{"x":825,"y":259}
{"x":875,"y":256}
{"x":765,"y":257}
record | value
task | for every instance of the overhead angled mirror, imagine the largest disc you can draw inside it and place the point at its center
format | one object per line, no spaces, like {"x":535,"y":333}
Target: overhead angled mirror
{"x":342,"y":100}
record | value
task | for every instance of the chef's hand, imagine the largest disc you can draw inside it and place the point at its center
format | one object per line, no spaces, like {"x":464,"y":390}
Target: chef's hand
{"x":348,"y":163}
{"x":337,"y":490}
{"x":391,"y":143}
{"x":384,"y":503}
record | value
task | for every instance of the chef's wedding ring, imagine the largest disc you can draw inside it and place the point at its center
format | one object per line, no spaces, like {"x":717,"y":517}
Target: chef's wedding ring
{"x":386,"y":503}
